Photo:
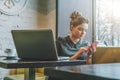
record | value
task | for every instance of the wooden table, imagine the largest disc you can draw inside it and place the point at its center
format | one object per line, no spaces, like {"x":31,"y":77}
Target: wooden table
{"x":31,"y":65}
{"x":86,"y":72}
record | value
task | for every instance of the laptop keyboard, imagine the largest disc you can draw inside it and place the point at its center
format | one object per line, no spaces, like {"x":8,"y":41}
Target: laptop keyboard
{"x":63,"y":58}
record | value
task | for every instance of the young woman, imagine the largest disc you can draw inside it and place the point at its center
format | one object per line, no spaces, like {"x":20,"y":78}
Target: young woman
{"x":73,"y":44}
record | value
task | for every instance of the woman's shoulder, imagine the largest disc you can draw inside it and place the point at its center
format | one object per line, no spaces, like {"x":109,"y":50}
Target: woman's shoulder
{"x":61,"y":39}
{"x":85,"y":42}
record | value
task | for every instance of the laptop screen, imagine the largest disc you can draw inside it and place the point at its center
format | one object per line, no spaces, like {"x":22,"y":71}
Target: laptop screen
{"x":35,"y":44}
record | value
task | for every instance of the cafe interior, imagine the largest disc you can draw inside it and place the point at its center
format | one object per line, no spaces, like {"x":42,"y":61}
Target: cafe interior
{"x":104,"y":20}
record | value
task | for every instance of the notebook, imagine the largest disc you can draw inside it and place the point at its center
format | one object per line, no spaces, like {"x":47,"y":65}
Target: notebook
{"x":35,"y":44}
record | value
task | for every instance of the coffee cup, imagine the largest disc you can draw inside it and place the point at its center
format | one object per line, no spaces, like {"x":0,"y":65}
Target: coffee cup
{"x":10,"y":52}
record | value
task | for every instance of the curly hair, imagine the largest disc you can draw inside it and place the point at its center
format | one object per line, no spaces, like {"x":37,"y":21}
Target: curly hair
{"x":77,"y":19}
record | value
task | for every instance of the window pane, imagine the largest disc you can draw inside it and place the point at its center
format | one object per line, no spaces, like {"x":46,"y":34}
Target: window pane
{"x":108,"y":22}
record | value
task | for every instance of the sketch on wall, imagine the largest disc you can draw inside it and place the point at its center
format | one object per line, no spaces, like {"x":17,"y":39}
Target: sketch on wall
{"x":12,"y":7}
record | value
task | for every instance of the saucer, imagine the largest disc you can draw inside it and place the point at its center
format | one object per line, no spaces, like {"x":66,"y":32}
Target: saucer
{"x":11,"y":58}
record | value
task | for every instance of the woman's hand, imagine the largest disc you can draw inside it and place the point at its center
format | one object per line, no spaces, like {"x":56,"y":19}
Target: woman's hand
{"x":90,"y":51}
{"x":80,"y":52}
{"x":92,"y":48}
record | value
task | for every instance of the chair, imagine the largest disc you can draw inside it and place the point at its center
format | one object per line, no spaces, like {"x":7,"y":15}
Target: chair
{"x":106,"y":55}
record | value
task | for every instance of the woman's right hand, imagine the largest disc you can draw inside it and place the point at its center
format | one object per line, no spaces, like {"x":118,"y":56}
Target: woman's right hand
{"x":80,"y":52}
{"x":83,"y":49}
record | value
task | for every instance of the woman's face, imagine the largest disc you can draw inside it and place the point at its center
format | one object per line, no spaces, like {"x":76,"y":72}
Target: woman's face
{"x":79,"y":31}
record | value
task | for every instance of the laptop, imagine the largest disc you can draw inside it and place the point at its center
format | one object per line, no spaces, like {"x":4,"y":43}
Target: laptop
{"x":106,"y":54}
{"x":35,"y":44}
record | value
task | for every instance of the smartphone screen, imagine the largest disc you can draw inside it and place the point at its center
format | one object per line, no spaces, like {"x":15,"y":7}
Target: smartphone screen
{"x":94,"y":44}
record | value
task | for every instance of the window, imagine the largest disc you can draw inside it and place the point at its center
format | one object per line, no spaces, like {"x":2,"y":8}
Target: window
{"x":107,"y":19}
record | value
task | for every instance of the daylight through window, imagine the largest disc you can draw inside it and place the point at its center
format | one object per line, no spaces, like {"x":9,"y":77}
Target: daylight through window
{"x":108,"y":22}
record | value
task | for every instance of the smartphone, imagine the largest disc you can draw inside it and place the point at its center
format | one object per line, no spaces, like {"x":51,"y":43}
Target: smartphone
{"x":94,"y":44}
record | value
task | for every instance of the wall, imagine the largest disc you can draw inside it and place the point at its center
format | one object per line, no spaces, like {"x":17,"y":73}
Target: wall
{"x":65,"y":8}
{"x":36,"y":14}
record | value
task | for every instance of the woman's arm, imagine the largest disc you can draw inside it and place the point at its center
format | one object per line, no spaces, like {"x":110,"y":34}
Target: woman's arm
{"x":79,"y":52}
{"x":91,"y":50}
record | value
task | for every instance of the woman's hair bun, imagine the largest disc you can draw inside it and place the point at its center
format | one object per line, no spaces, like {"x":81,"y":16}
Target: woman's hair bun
{"x":75,"y":15}
{"x":77,"y":19}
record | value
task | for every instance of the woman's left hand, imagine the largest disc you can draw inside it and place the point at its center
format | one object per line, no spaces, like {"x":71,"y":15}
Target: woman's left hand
{"x":90,"y":51}
{"x":92,"y":48}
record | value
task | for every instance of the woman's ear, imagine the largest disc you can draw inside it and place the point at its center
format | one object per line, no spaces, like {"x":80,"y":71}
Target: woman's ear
{"x":71,"y":27}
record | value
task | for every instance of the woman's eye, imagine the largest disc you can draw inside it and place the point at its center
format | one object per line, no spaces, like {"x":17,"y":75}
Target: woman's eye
{"x":84,"y":30}
{"x":80,"y":29}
